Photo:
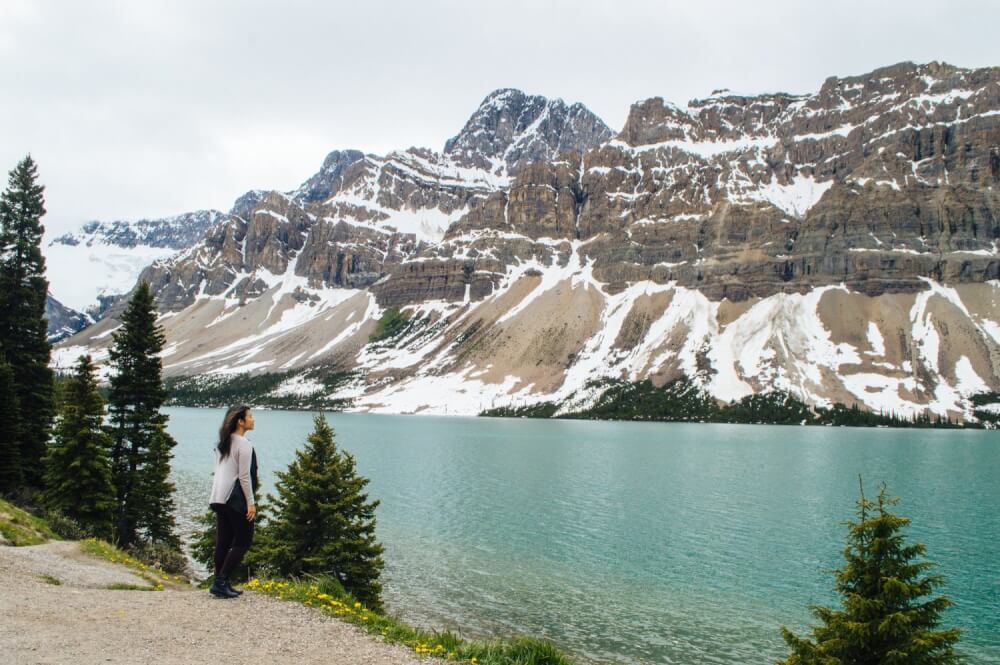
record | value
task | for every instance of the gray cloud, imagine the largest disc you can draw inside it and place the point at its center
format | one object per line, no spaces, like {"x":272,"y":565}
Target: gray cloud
{"x":152,"y":108}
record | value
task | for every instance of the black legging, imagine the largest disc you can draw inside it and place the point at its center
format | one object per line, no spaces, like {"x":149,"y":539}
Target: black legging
{"x":233,"y":537}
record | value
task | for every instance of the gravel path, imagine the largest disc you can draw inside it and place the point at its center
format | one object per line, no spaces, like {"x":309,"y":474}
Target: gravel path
{"x":81,"y":621}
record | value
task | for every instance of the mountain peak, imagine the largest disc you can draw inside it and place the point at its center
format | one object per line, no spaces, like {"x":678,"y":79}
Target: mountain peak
{"x":511,"y":126}
{"x":502,"y":96}
{"x":322,"y":185}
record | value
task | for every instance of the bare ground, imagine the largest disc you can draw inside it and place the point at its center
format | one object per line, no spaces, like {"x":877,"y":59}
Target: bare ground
{"x":81,"y":620}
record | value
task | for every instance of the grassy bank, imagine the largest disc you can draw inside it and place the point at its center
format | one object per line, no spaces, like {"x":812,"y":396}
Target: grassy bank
{"x":20,"y":528}
{"x":156,"y":577}
{"x":329,"y":597}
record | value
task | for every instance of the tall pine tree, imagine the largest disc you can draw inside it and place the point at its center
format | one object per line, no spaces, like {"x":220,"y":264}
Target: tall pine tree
{"x":23,"y":330}
{"x":323,"y":523}
{"x":141,"y":450}
{"x":888,"y":614}
{"x":10,"y":442}
{"x":78,"y":464}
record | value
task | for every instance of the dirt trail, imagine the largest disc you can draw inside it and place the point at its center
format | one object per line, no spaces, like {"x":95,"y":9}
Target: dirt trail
{"x":81,"y":620}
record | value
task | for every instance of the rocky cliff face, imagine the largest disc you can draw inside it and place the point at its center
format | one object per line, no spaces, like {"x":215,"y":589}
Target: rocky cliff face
{"x":874,"y":181}
{"x":841,"y":245}
{"x":63,"y":321}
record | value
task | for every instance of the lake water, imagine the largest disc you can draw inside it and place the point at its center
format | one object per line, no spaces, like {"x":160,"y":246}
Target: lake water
{"x":639,"y":542}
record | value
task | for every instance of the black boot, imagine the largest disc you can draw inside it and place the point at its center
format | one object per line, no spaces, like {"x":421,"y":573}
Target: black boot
{"x":221,"y":589}
{"x":230,"y":587}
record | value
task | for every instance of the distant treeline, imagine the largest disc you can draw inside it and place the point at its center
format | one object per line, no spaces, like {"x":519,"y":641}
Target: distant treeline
{"x":683,"y":401}
{"x":256,"y":389}
{"x":986,"y":416}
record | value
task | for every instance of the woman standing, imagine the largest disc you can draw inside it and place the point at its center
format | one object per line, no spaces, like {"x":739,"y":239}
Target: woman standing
{"x":232,"y":497}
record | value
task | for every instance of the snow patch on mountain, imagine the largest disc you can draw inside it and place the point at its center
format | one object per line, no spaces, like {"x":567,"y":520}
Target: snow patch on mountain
{"x":79,"y":274}
{"x":876,"y":340}
{"x":704,"y":149}
{"x":421,"y":394}
{"x":64,"y":358}
{"x":795,"y":197}
{"x":298,"y":386}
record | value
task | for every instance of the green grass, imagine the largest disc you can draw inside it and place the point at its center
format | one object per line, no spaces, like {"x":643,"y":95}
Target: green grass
{"x":392,"y":323}
{"x":109,"y":552}
{"x":121,"y":586}
{"x":49,"y":579}
{"x":20,"y":528}
{"x":328,"y":596}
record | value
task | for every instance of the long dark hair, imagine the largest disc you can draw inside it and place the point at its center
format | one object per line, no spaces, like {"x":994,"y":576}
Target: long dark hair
{"x":233,"y":417}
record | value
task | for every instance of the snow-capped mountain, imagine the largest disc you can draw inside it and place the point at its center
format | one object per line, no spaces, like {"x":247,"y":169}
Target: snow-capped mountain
{"x":362,"y":215}
{"x":87,"y":268}
{"x":841,"y":245}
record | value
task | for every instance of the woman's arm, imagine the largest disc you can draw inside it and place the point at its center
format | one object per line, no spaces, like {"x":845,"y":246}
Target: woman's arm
{"x":244,"y":455}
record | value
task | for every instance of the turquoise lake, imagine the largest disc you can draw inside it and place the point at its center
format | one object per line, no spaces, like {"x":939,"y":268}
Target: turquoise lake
{"x":638,"y":542}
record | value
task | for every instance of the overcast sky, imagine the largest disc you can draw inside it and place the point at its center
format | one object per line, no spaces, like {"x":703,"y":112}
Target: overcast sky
{"x":144,"y":109}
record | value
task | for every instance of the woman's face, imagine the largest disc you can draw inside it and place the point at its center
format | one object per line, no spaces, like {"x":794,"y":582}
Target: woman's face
{"x":247,"y":421}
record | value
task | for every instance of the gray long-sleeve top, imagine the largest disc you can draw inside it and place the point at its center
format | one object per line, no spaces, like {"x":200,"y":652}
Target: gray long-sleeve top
{"x":236,"y":465}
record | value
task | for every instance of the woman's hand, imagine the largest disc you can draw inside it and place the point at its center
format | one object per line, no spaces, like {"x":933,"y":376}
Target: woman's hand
{"x":251,"y":512}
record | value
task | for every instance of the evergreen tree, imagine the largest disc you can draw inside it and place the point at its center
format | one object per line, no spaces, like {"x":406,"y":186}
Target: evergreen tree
{"x":202,"y":544}
{"x":887,"y":616}
{"x":141,"y":449}
{"x":323,"y":523}
{"x":157,"y":491}
{"x":77,"y":464}
{"x":10,"y":452}
{"x":23,"y":330}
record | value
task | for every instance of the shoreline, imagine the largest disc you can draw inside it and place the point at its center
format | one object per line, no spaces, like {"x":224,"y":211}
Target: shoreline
{"x":315,"y":408}
{"x":680,"y":400}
